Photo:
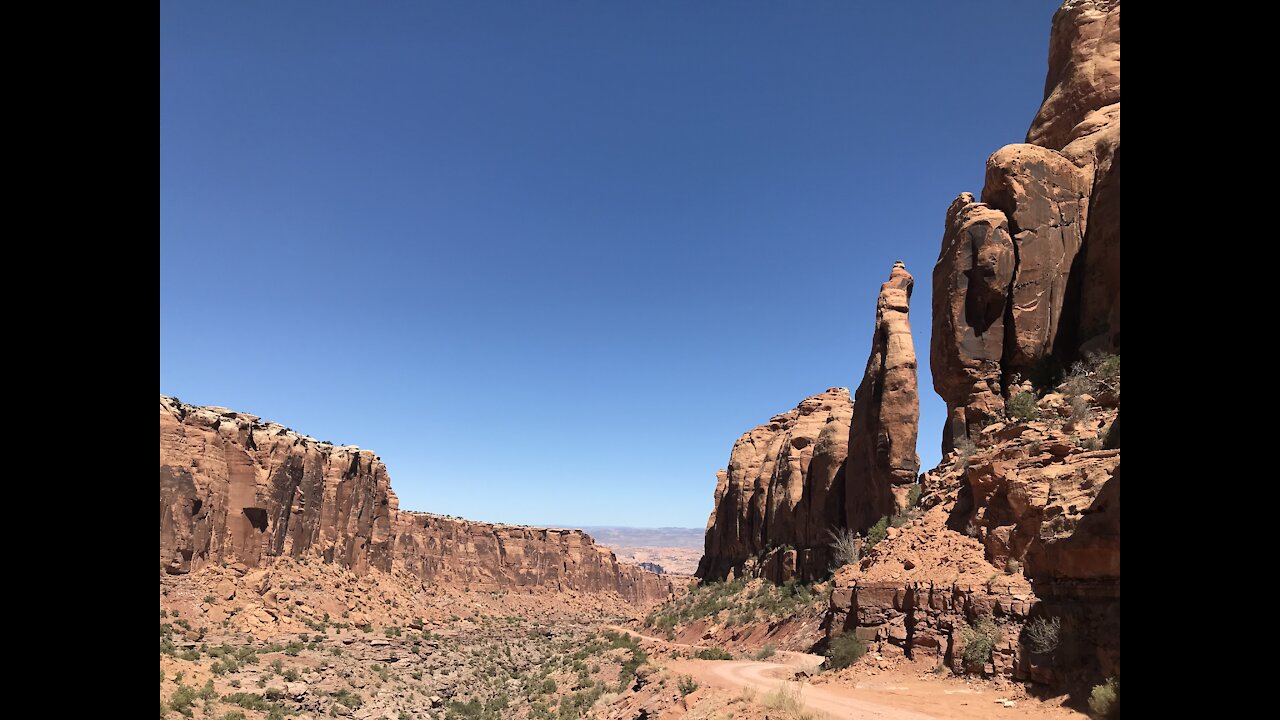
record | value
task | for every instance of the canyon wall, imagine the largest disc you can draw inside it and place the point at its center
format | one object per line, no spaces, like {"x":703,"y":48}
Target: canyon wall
{"x":234,"y":489}
{"x":1019,"y":526}
{"x":1028,"y":278}
{"x":831,"y":463}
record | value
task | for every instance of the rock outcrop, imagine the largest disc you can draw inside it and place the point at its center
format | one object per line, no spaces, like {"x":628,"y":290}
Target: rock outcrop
{"x":828,"y":465}
{"x":1023,"y":526}
{"x":1028,"y":280}
{"x":886,"y":417}
{"x":783,"y":490}
{"x":236,"y":490}
{"x":1017,"y":535}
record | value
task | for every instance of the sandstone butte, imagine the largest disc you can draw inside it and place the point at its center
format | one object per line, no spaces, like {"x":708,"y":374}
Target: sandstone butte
{"x":1021,"y":520}
{"x":237,"y":490}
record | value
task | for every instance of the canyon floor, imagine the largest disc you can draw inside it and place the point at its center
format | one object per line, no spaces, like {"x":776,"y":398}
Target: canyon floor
{"x":310,"y":640}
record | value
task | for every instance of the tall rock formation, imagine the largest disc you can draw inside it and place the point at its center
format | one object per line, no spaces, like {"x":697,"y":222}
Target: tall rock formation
{"x":783,"y":490}
{"x":886,"y":416}
{"x":1029,"y":278}
{"x":234,"y":489}
{"x":827,"y":465}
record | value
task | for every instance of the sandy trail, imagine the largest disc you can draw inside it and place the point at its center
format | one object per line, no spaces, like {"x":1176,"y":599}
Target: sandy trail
{"x":765,"y":677}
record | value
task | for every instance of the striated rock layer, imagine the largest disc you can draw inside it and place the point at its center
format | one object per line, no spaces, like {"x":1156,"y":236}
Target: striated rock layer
{"x":1028,"y":279}
{"x":234,"y":489}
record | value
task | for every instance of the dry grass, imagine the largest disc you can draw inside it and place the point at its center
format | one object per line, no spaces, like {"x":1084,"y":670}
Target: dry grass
{"x":786,"y":700}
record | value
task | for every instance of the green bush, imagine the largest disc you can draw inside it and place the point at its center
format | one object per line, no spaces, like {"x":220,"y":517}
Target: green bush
{"x":1044,"y":634}
{"x":878,"y":532}
{"x":980,"y":640}
{"x":1104,"y":701}
{"x":182,"y":699}
{"x":913,"y":495}
{"x":713,"y":654}
{"x":686,"y":685}
{"x":766,"y":652}
{"x":844,"y":650}
{"x":1022,"y":407}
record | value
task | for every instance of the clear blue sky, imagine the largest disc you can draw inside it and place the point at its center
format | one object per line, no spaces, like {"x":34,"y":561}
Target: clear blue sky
{"x":551,"y":259}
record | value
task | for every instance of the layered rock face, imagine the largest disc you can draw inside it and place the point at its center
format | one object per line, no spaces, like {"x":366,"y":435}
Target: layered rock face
{"x":827,"y":465}
{"x":1030,"y":276}
{"x":882,"y":436}
{"x":784,"y":487}
{"x":236,"y":490}
{"x":487,"y":557}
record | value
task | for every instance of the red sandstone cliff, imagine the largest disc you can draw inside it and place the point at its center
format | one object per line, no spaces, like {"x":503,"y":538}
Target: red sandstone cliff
{"x":827,"y":465}
{"x":783,"y":489}
{"x":1028,"y":279}
{"x":1020,"y":524}
{"x":234,"y":489}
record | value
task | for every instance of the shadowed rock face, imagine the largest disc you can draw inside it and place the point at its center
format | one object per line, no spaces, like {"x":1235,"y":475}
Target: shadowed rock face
{"x":237,"y":490}
{"x":1031,"y":275}
{"x":886,"y":417}
{"x":970,"y":292}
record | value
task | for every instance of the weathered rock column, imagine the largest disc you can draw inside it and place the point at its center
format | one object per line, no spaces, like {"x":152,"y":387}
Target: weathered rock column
{"x":886,"y":411}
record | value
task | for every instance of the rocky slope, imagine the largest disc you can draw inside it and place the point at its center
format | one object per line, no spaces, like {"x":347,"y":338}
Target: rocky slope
{"x":234,"y":489}
{"x":826,"y":465}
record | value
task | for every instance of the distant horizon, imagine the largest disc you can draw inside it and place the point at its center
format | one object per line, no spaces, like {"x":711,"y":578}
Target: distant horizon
{"x":553,"y":261}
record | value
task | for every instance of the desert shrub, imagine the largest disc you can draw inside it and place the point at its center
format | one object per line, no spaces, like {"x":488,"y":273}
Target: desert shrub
{"x":1104,"y":701}
{"x":182,"y":699}
{"x":877,"y":532}
{"x":1012,"y":566}
{"x":786,"y":700}
{"x":965,"y":448}
{"x":1108,"y":371}
{"x":766,"y":652}
{"x":1022,"y":407}
{"x":713,"y":654}
{"x":1043,"y":634}
{"x":845,"y":548}
{"x":913,"y":495}
{"x":980,"y":639}
{"x":844,"y":650}
{"x":686,"y":685}
{"x":1080,"y":410}
{"x":233,"y":715}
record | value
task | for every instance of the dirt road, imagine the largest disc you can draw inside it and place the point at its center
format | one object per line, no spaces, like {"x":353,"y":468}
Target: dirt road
{"x":898,"y":695}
